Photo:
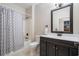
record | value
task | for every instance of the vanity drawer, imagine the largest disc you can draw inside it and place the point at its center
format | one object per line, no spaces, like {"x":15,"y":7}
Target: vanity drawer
{"x":60,"y":42}
{"x":65,"y":43}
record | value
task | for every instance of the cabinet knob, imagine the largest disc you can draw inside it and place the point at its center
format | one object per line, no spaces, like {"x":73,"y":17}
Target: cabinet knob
{"x":53,"y":47}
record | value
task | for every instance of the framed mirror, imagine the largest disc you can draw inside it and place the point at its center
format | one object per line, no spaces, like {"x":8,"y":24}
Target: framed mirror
{"x":62,"y":19}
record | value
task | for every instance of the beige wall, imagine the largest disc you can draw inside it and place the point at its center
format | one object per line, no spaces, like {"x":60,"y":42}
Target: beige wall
{"x":43,"y":17}
{"x":76,"y":18}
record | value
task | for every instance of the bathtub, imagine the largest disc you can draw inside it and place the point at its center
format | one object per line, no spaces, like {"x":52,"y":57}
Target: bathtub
{"x":29,"y":49}
{"x":23,"y":51}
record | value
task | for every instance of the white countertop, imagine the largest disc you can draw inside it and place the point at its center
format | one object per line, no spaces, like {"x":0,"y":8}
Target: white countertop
{"x":67,"y":37}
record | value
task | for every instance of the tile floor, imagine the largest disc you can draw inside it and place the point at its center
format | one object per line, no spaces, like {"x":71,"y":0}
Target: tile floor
{"x":27,"y":52}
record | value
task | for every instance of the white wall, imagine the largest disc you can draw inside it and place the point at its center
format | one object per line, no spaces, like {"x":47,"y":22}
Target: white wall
{"x":29,"y":23}
{"x":27,"y":26}
{"x":24,"y":28}
{"x":43,"y":17}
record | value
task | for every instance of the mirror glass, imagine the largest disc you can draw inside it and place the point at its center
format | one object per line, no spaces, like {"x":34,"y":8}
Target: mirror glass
{"x":61,"y":19}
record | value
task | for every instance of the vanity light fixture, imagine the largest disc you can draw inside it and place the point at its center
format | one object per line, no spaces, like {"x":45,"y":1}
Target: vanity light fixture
{"x":58,"y":5}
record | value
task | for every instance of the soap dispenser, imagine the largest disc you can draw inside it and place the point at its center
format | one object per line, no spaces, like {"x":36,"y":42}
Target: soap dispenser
{"x":46,"y":29}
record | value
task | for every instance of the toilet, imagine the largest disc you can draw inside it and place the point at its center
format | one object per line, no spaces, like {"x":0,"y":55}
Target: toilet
{"x":36,"y":42}
{"x":34,"y":45}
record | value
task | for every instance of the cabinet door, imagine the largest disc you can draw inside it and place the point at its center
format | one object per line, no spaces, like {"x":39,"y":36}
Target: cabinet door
{"x":62,"y":50}
{"x":50,"y":49}
{"x":42,"y":47}
{"x":74,"y":51}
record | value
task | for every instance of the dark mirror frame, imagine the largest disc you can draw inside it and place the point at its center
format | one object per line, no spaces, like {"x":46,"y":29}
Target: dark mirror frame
{"x":71,"y":19}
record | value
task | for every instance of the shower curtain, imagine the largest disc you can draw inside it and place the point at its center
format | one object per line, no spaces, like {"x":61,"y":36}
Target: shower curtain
{"x":11,"y":38}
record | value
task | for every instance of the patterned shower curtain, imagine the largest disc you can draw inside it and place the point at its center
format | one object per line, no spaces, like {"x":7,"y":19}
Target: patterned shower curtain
{"x":10,"y":31}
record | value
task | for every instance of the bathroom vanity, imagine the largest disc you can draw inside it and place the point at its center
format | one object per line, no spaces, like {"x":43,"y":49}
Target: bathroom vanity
{"x":63,"y":42}
{"x":52,"y":45}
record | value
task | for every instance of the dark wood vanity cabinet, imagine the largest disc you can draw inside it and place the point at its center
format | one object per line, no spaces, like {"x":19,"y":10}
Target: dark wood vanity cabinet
{"x":43,"y":47}
{"x":50,"y":49}
{"x":61,"y":50}
{"x":73,"y":51}
{"x":56,"y":47}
